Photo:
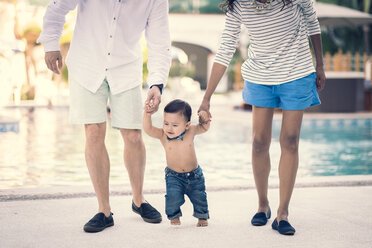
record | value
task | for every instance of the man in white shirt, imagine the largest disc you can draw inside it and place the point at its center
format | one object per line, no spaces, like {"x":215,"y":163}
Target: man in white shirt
{"x":105,"y":62}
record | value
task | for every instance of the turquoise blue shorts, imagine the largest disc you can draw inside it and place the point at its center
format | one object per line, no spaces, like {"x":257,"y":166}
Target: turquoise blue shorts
{"x":295,"y":95}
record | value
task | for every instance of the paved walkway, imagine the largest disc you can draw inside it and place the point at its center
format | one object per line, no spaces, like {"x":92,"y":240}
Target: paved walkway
{"x":326,"y":216}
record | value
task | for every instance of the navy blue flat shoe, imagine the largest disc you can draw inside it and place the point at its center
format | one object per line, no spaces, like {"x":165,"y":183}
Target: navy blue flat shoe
{"x":283,"y":227}
{"x":147,"y":212}
{"x":98,"y":223}
{"x":260,"y":219}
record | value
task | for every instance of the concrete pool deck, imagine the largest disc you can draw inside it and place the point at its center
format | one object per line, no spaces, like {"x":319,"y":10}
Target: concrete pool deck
{"x":326,"y":211}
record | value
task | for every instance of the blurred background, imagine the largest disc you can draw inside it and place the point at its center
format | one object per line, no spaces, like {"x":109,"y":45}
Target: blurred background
{"x":39,"y":148}
{"x":346,"y":40}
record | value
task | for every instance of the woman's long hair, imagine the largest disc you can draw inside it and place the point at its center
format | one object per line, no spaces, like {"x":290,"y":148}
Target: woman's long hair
{"x":228,"y":5}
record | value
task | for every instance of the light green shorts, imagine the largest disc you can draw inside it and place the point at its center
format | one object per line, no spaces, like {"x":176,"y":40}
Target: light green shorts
{"x":88,"y":108}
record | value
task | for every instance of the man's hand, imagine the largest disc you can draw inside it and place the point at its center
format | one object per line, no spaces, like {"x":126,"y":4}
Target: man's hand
{"x":153,"y":100}
{"x":53,"y":61}
{"x":320,"y":78}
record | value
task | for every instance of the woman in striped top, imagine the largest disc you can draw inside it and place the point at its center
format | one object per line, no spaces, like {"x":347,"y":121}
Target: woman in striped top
{"x":279,"y":73}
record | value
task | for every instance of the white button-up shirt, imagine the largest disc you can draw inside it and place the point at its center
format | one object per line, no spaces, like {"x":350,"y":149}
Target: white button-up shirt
{"x":106,"y":41}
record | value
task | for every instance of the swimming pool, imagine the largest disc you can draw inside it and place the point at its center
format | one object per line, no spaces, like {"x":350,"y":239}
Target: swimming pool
{"x":47,"y":151}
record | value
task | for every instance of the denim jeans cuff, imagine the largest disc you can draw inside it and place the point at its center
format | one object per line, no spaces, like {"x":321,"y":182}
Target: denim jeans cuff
{"x":175,"y":216}
{"x":201,"y":216}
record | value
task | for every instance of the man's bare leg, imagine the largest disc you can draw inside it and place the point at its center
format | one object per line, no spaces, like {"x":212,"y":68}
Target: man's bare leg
{"x":134,"y":160}
{"x":98,"y":164}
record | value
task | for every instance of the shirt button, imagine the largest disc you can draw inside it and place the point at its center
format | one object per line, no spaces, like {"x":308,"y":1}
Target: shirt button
{"x":110,"y":36}
{"x":109,"y":53}
{"x":106,"y":69}
{"x":114,"y":18}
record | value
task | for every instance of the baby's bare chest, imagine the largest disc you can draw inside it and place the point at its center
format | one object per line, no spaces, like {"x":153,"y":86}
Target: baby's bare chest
{"x":177,"y":147}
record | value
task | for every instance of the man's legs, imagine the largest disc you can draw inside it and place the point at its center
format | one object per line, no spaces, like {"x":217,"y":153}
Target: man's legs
{"x":262,"y":124}
{"x":134,"y":160}
{"x":289,"y":140}
{"x":88,"y":107}
{"x":98,"y":164}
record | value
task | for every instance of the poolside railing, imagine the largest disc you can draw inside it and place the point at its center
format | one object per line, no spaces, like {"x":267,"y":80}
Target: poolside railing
{"x":341,"y":61}
{"x":338,"y":62}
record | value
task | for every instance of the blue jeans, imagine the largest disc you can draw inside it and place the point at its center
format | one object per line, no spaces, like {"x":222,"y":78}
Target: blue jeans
{"x":191,"y":184}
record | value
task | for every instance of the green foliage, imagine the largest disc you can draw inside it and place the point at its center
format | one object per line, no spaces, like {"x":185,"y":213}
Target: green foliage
{"x":177,"y":6}
{"x":346,"y":38}
{"x":27,"y":92}
{"x":181,"y":70}
{"x":39,"y":2}
{"x":354,"y":4}
{"x":145,"y":72}
{"x":189,"y":6}
{"x":32,"y":28}
{"x":64,"y":73}
{"x":367,"y":6}
{"x":210,"y":6}
{"x":230,"y":69}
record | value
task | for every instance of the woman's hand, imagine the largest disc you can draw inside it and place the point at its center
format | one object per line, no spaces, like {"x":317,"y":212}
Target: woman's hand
{"x":204,"y":106}
{"x":320,"y":78}
{"x":203,"y":117}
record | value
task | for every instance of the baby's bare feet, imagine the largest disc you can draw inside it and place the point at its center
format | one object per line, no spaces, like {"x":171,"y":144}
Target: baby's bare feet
{"x":175,"y":222}
{"x":202,"y":223}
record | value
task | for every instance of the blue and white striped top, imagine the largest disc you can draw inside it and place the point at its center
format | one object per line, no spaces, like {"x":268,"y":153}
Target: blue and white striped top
{"x":279,"y":49}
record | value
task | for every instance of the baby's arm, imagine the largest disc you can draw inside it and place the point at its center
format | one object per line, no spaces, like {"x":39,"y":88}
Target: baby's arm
{"x":149,"y":128}
{"x":204,"y":122}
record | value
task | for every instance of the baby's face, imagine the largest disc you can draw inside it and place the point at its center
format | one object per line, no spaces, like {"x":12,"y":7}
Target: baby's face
{"x":174,"y":124}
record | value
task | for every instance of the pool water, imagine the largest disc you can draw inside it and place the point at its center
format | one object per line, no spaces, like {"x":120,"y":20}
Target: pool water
{"x":48,"y":151}
{"x":337,"y":147}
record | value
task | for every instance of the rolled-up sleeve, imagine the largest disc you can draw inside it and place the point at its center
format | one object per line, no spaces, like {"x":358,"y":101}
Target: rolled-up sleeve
{"x":310,"y":17}
{"x":230,"y":36}
{"x":54,"y":19}
{"x":158,"y":44}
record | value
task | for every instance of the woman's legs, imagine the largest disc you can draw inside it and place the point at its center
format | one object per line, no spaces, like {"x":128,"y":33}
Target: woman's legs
{"x":289,"y":139}
{"x":262,"y":122}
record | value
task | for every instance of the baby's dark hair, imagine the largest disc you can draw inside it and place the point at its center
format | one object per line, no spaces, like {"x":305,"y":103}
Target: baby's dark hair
{"x":178,"y":105}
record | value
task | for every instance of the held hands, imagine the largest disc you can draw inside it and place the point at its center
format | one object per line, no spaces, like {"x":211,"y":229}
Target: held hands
{"x":147,"y":109}
{"x":53,"y":61}
{"x":204,"y":107}
{"x":153,"y":100}
{"x":203,"y":117}
{"x":320,"y":78}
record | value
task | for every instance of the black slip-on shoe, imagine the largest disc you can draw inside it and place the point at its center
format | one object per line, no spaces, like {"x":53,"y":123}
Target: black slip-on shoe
{"x":260,"y":219}
{"x":283,"y":227}
{"x":147,"y":212}
{"x":98,"y":223}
